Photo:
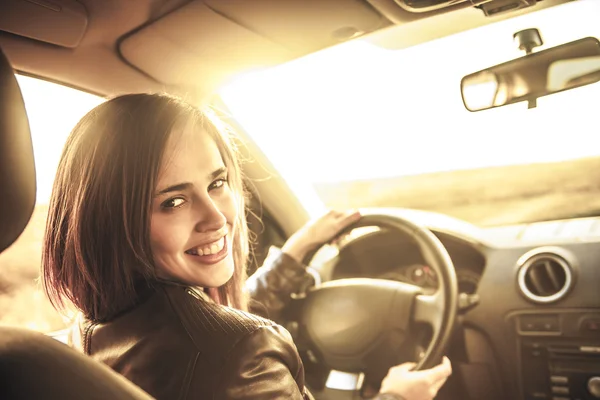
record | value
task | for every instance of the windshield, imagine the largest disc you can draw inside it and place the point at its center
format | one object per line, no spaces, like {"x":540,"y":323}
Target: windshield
{"x":365,"y":125}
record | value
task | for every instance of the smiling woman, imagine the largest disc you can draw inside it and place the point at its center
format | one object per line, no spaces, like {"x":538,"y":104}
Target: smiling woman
{"x":142,"y":181}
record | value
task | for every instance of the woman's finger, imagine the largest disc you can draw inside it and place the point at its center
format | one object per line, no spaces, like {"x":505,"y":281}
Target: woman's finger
{"x":437,"y":373}
{"x":339,"y":239}
{"x":350,"y":214}
{"x":441,"y":371}
{"x":348,"y":218}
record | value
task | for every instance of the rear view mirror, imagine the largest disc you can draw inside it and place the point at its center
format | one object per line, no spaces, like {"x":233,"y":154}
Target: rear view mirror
{"x":535,"y":75}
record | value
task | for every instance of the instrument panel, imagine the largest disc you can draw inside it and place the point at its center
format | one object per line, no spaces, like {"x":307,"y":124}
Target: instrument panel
{"x":388,"y":255}
{"x":424,"y":276}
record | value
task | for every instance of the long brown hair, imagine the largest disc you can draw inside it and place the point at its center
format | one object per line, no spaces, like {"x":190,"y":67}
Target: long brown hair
{"x":96,"y":250}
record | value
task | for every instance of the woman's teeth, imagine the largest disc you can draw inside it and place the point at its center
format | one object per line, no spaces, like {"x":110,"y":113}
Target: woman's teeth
{"x":212,"y":248}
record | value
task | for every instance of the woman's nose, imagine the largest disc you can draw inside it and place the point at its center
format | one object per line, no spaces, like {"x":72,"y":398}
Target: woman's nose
{"x":209,"y":216}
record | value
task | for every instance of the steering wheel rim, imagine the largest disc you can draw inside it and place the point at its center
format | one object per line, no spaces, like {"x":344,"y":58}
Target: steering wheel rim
{"x":437,"y":309}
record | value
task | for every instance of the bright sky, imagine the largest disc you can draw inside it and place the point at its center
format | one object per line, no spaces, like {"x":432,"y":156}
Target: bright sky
{"x":358,"y":111}
{"x":53,"y":110}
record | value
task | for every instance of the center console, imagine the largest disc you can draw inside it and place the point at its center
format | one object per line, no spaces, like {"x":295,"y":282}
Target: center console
{"x":559,"y":355}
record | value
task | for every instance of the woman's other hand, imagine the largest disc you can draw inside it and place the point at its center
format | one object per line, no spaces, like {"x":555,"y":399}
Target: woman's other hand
{"x":416,"y":385}
{"x":318,"y":232}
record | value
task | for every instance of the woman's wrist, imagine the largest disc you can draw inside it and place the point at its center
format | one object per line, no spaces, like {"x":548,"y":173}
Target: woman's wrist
{"x":297,"y":249}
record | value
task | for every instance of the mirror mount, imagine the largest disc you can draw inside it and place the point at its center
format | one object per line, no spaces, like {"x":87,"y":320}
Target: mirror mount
{"x":527,"y":40}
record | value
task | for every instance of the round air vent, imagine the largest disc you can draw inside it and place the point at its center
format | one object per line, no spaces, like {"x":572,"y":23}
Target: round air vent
{"x":546,"y":274}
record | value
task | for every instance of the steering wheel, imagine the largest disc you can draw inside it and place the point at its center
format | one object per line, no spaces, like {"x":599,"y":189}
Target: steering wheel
{"x":344,"y":321}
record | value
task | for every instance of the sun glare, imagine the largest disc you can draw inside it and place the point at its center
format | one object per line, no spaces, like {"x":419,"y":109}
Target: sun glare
{"x":358,"y":111}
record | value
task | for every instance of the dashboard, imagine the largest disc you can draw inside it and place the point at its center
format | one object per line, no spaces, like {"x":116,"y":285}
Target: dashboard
{"x":535,"y":332}
{"x":384,"y":254}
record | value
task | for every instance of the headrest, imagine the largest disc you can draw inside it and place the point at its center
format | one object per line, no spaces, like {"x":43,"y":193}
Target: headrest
{"x":17,"y":169}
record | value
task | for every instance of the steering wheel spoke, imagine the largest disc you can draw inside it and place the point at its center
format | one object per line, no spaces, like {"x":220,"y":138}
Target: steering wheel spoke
{"x":428,"y":308}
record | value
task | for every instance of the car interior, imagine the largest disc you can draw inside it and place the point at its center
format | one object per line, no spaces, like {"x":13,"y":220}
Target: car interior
{"x":464,"y":131}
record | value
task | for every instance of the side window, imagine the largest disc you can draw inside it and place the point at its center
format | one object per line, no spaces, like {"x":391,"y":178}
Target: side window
{"x":53,"y":110}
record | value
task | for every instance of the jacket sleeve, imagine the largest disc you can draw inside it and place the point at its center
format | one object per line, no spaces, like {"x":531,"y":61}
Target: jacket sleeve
{"x":263,"y":364}
{"x":271,"y":286}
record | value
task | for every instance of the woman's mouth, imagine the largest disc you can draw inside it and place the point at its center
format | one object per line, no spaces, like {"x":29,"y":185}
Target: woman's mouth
{"x":211,"y":252}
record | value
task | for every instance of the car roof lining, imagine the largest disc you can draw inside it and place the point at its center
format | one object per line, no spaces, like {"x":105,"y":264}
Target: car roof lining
{"x":413,"y":31}
{"x":117,"y":53}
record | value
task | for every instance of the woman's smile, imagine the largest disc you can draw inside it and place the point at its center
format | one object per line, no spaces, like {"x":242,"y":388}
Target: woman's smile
{"x":210,"y":253}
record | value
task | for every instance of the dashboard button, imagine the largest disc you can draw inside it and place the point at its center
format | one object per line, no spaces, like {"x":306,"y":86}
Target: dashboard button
{"x":529,"y":326}
{"x":559,"y":380}
{"x":550,"y":326}
{"x":540,"y":323}
{"x":590,"y":325}
{"x":560,"y":390}
{"x":538,"y":396}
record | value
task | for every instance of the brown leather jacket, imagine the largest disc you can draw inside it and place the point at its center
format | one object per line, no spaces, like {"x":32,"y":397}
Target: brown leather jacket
{"x":178,"y":344}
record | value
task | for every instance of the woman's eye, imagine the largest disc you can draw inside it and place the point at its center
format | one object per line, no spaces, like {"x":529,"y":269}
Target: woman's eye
{"x":219,"y":183}
{"x":173,"y":203}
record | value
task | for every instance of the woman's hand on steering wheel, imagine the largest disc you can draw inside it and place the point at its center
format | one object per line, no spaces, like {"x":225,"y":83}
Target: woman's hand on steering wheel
{"x":318,"y":232}
{"x":416,"y":385}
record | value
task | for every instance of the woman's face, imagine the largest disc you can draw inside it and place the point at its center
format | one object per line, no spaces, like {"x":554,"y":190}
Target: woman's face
{"x":193,"y":213}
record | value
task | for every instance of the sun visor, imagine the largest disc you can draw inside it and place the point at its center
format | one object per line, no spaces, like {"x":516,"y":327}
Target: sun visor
{"x":197,"y":46}
{"x":303,"y":26}
{"x":59,"y":22}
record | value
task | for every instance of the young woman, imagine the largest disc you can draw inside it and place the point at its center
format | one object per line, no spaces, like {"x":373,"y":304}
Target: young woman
{"x":147,"y":238}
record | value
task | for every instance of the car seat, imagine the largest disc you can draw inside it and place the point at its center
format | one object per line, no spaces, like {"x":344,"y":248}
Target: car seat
{"x":32,"y":365}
